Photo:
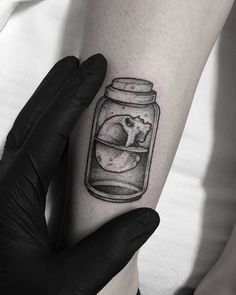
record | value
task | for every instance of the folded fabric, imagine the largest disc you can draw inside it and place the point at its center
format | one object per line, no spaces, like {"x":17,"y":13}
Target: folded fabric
{"x":6,"y":9}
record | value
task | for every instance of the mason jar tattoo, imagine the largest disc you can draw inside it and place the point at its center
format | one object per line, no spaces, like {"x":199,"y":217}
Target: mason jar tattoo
{"x":122,"y":141}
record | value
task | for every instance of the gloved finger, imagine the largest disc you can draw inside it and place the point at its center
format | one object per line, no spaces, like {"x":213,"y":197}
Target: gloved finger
{"x":44,"y":94}
{"x":88,"y":266}
{"x":45,"y":143}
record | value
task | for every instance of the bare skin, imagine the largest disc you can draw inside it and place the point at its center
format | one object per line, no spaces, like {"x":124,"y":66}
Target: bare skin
{"x":167,"y":43}
{"x":221,"y":278}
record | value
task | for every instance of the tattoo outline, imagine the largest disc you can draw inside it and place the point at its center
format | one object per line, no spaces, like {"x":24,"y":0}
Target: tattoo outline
{"x":122,"y":141}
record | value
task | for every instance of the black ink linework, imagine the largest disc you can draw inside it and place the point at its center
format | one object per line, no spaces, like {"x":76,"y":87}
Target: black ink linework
{"x":122,"y":141}
{"x":118,"y":141}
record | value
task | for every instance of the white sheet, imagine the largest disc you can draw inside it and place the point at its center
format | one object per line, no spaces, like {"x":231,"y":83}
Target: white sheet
{"x":6,"y":9}
{"x":199,"y":198}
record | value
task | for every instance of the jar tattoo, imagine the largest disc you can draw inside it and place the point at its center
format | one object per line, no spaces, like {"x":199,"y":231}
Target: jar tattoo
{"x":122,"y":141}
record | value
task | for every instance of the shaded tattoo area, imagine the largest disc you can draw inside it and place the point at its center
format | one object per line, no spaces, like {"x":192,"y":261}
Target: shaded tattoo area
{"x":122,"y":141}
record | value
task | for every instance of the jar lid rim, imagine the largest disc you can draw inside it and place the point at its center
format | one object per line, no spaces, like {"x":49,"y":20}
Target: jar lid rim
{"x":132,"y":84}
{"x":130,"y":97}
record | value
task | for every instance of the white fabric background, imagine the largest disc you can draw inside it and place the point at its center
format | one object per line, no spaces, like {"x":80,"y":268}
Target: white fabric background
{"x":6,"y":9}
{"x":198,"y":204}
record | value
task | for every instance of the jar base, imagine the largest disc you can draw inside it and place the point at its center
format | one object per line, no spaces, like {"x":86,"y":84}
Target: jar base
{"x":113,"y":191}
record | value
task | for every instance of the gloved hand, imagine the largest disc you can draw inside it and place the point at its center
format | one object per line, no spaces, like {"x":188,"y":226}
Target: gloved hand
{"x":28,"y":264}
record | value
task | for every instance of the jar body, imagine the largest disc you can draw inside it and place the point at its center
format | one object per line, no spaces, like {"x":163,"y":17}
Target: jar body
{"x":120,"y":152}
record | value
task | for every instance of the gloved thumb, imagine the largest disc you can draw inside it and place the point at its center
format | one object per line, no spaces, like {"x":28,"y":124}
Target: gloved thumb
{"x":89,"y":265}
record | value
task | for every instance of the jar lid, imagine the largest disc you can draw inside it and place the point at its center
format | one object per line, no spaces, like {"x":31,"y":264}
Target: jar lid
{"x":131,"y":91}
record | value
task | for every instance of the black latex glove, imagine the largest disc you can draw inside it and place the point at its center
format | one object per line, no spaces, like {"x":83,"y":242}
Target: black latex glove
{"x":32,"y":151}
